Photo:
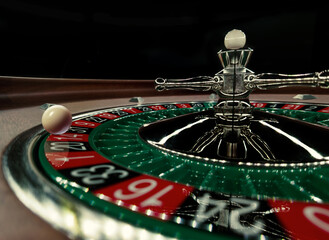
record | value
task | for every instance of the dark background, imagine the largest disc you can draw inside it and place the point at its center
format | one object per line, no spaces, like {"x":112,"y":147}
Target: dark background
{"x":144,"y":40}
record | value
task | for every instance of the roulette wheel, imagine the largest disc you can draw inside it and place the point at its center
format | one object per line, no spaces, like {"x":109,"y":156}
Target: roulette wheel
{"x":238,"y":167}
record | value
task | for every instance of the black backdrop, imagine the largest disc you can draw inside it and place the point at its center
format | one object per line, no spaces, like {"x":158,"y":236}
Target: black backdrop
{"x":144,"y":40}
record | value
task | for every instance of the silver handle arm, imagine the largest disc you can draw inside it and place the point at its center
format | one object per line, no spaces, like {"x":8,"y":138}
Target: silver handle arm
{"x":266,"y":81}
{"x":201,"y":83}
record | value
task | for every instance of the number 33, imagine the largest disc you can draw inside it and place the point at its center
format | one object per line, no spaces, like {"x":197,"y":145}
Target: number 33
{"x":91,"y":177}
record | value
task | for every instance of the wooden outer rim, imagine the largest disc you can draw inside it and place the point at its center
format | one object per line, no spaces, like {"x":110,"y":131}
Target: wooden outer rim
{"x":18,"y":92}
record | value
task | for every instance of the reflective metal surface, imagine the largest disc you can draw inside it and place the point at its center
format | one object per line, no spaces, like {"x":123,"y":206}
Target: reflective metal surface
{"x":232,"y":131}
{"x":266,"y":139}
{"x":239,"y":81}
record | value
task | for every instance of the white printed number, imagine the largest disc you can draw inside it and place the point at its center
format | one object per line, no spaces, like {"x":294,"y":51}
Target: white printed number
{"x":146,"y":185}
{"x":312,"y":213}
{"x":62,"y":146}
{"x":235,"y":217}
{"x":90,"y":178}
{"x":205,"y":201}
{"x":78,"y":129}
{"x":215,"y":206}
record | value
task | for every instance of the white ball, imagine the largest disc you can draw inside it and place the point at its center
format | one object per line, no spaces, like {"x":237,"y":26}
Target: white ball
{"x":235,"y":39}
{"x":56,"y":119}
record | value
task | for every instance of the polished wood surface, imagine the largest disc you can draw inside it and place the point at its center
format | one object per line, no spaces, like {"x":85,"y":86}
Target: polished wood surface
{"x":24,"y":91}
{"x":28,"y":91}
{"x":18,"y":92}
{"x":22,"y":99}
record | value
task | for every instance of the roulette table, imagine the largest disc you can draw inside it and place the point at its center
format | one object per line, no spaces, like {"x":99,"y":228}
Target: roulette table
{"x":18,"y":221}
{"x":241,"y":166}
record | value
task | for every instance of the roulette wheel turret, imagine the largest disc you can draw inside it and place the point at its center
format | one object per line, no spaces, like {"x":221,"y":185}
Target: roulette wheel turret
{"x":232,"y":130}
{"x":235,"y":168}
